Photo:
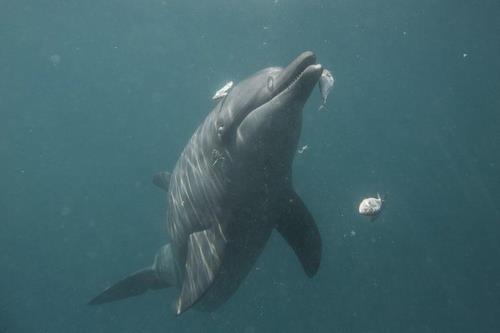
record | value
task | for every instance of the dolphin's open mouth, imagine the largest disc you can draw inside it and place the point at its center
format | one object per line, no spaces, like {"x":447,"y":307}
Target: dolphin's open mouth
{"x":306,"y":79}
{"x":299,"y":77}
{"x":294,"y":71}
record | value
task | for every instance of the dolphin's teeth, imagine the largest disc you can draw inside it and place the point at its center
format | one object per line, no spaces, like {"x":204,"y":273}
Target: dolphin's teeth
{"x":296,"y":78}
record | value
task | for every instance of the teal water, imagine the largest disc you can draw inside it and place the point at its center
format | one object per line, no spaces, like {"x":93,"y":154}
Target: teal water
{"x":96,"y":96}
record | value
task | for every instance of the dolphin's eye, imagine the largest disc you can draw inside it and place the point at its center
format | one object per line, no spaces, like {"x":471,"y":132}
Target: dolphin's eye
{"x":270,"y":83}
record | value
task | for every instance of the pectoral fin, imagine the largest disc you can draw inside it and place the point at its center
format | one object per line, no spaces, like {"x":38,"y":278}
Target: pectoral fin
{"x":298,"y":228}
{"x":204,"y":256}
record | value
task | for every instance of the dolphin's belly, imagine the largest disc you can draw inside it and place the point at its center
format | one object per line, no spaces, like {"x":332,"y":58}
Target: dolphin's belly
{"x":253,"y":218}
{"x":240,"y":255}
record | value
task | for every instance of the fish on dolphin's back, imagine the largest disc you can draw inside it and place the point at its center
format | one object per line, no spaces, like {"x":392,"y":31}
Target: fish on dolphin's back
{"x":222,"y":92}
{"x":230,"y":188}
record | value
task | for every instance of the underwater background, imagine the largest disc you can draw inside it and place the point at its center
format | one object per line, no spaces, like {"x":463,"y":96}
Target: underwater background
{"x":97,"y":96}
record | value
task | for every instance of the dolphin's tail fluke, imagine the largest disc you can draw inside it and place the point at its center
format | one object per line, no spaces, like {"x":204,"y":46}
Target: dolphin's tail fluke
{"x":158,"y":276}
{"x":133,"y":285}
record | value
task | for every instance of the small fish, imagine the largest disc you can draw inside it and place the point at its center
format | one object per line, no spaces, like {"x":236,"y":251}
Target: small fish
{"x":371,"y":206}
{"x":222,"y":92}
{"x":326,"y":82}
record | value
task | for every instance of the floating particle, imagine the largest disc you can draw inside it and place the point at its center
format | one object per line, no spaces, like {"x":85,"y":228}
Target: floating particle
{"x":302,"y":149}
{"x":55,"y":59}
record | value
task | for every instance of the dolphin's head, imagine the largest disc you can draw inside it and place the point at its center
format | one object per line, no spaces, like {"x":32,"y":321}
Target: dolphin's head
{"x":261,"y":117}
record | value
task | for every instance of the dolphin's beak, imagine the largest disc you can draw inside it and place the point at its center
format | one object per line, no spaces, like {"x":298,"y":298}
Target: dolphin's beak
{"x":289,"y":74}
{"x":296,"y":82}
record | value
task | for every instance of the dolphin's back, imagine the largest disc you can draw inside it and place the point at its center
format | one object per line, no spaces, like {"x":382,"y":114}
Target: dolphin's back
{"x":197,"y":189}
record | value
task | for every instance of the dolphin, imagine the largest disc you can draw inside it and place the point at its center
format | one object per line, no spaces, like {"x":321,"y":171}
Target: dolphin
{"x":230,"y":188}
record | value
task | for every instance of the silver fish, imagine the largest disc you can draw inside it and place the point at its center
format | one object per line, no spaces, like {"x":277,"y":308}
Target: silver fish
{"x":222,"y":92}
{"x":326,"y":82}
{"x":371,"y":206}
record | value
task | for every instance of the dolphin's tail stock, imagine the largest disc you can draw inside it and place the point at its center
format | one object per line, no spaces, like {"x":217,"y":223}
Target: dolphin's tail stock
{"x":160,"y":275}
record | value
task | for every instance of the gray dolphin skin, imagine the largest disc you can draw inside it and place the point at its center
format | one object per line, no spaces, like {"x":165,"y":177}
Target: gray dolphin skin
{"x":231,"y":187}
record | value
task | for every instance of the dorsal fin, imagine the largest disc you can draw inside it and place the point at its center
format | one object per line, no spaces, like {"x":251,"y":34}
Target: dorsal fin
{"x":162,"y":180}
